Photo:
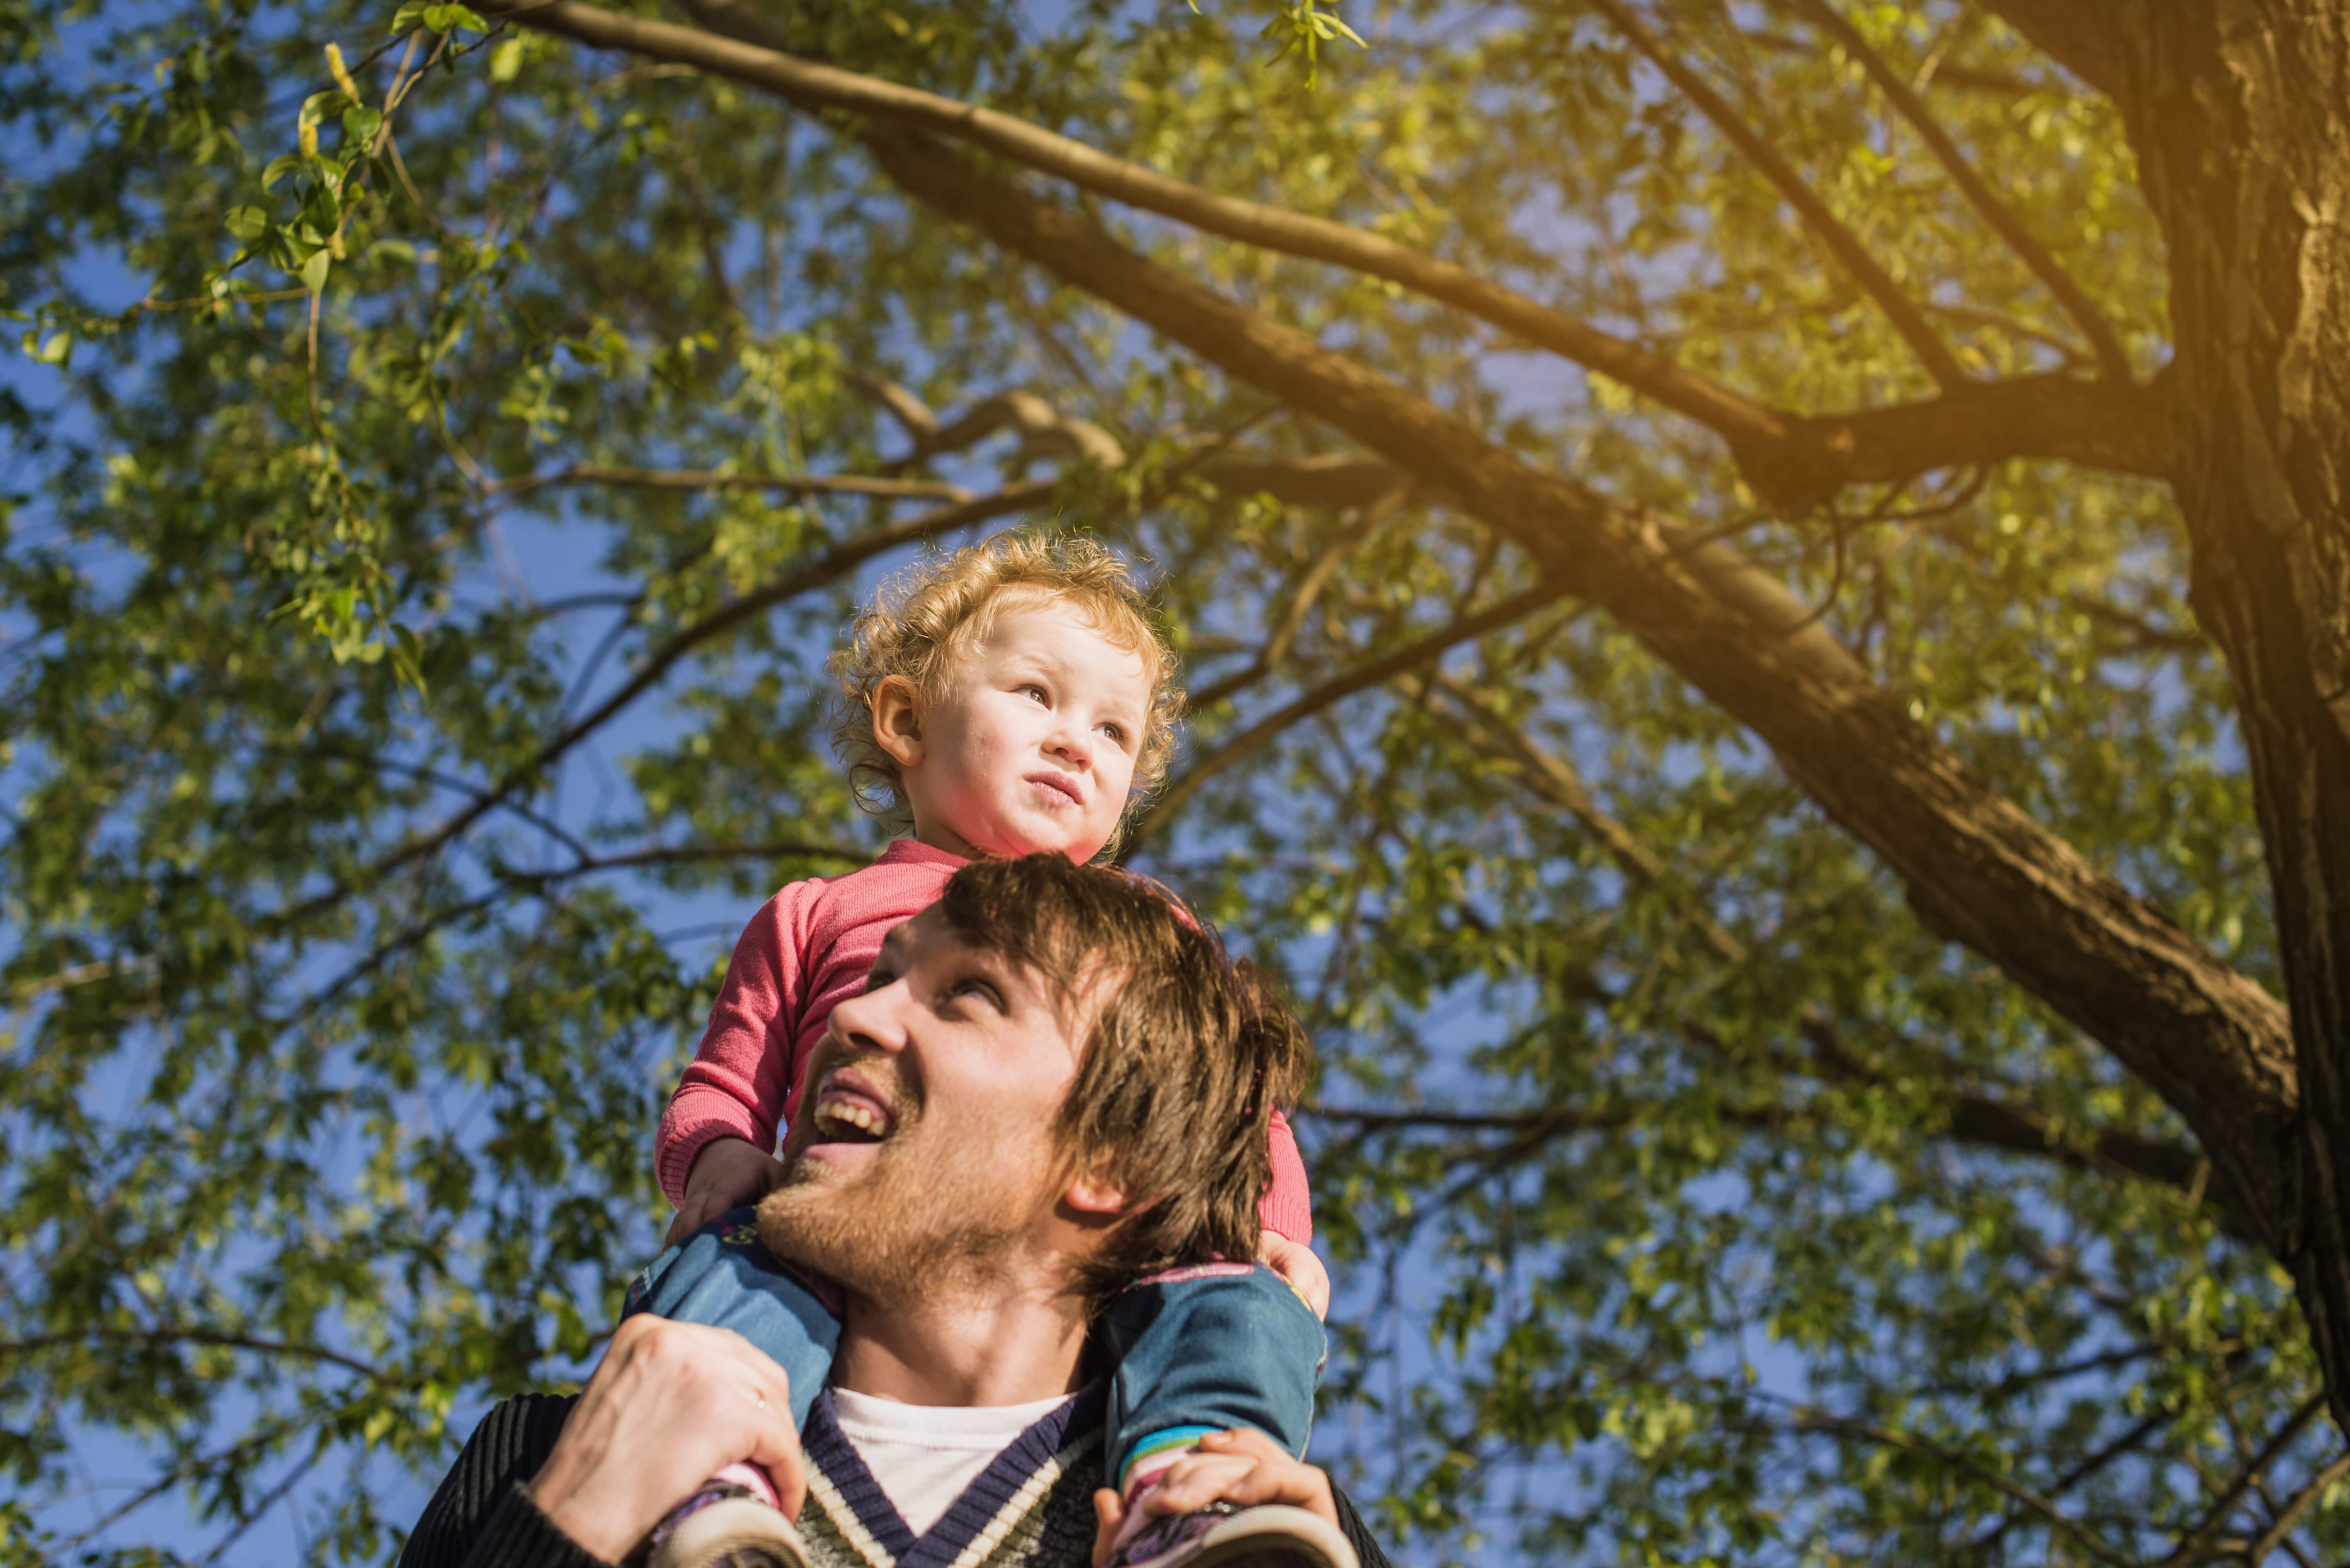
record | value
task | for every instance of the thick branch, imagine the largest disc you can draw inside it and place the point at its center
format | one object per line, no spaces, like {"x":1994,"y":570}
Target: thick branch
{"x":1979,"y":1119}
{"x":1841,"y":241}
{"x":1977,"y":869}
{"x":1044,"y":431}
{"x":1994,"y":212}
{"x":1794,"y":460}
{"x":2076,"y":34}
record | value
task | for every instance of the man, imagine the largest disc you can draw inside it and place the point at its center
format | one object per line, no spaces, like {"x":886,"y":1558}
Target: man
{"x":1047,"y":1111}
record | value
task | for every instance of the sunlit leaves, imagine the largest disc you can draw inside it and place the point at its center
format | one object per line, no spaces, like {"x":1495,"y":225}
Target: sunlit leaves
{"x":1732,"y":1274}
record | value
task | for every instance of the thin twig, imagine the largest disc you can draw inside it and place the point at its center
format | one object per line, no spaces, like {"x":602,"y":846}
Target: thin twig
{"x":1516,"y":607}
{"x":1900,"y":310}
{"x":693,"y":479}
{"x":2111,"y":356}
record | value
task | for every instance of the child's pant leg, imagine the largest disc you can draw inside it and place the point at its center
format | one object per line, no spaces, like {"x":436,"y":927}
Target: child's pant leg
{"x":719,"y":1276}
{"x":1208,"y":1348}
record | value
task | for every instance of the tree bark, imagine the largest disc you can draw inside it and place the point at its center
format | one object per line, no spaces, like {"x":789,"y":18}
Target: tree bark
{"x":2239,"y":113}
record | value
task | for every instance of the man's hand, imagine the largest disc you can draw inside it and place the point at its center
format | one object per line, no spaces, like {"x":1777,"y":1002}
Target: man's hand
{"x":728,"y":1173}
{"x":669,"y":1405}
{"x":1240,"y":1466}
{"x":1301,"y":1268}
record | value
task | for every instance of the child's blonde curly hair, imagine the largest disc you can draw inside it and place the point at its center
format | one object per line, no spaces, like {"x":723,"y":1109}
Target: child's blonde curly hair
{"x":926,"y":617}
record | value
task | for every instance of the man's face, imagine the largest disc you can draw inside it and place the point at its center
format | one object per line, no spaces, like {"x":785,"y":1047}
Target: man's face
{"x":924,"y":1157}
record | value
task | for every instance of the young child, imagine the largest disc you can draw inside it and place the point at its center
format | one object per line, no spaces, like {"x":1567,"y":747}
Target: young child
{"x":1009,"y":699}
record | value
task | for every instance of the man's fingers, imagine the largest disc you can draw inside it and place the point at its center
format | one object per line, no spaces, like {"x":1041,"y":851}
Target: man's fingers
{"x":1109,"y":1512}
{"x":779,"y":1455}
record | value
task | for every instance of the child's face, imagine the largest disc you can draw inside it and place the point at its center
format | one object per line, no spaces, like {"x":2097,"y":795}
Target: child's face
{"x":1033,"y":745}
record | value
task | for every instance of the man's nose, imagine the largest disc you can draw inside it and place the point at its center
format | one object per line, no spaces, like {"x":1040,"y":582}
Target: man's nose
{"x":869,"y":1021}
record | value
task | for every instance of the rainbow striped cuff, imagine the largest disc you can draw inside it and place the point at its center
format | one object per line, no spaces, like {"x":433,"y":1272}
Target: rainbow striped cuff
{"x":1157,"y":1452}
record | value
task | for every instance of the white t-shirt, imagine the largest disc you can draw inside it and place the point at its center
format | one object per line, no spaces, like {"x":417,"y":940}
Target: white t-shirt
{"x":925,"y":1455}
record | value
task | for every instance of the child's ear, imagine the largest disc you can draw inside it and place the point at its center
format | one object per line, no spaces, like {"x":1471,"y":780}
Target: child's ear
{"x":897,"y":727}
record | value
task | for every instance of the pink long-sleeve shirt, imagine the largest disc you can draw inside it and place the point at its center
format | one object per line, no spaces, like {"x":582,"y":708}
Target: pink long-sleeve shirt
{"x":808,"y":948}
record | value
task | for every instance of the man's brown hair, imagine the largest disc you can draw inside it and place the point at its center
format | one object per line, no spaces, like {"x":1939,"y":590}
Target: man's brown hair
{"x":1184,"y":1059}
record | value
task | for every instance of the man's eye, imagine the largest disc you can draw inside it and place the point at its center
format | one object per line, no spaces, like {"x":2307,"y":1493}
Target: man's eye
{"x":978,"y":988}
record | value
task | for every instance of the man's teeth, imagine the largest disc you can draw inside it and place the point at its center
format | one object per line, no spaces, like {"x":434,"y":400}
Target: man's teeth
{"x":838,"y":1114}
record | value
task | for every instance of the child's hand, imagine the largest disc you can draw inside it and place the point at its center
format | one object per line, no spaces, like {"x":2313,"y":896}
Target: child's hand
{"x":1240,"y":1466}
{"x":1301,"y":1268}
{"x":728,"y":1173}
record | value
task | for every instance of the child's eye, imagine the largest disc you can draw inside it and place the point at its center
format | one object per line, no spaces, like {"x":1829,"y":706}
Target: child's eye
{"x":1036,"y":692}
{"x":1116,"y":731}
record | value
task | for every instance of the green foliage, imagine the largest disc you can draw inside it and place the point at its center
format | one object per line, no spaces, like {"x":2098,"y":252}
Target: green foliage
{"x":1652,"y":1142}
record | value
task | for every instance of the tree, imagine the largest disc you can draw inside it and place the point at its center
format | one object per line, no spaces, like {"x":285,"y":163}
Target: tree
{"x":1914,"y":1135}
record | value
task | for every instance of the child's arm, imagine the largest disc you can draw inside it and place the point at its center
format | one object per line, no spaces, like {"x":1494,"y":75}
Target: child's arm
{"x":727,"y":1174}
{"x":737,"y":1085}
{"x":1288,"y":1214}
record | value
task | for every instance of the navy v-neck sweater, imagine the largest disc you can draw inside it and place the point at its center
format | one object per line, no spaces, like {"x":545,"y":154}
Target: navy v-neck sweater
{"x":1031,"y":1508}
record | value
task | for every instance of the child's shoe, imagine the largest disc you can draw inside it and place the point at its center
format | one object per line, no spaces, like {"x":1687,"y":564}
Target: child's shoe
{"x":1270,"y":1535}
{"x":729,"y":1521}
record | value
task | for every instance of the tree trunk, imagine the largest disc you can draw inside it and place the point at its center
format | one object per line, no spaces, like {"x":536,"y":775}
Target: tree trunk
{"x":2239,"y":113}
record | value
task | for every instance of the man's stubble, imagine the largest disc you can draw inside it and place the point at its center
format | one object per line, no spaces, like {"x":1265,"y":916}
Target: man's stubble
{"x":927,"y":1215}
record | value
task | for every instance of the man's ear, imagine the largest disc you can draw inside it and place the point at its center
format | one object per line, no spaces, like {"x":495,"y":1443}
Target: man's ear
{"x":897,"y":726}
{"x":1096,"y":1192}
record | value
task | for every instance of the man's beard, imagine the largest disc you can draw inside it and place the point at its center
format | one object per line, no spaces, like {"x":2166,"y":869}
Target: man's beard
{"x":912,"y":1224}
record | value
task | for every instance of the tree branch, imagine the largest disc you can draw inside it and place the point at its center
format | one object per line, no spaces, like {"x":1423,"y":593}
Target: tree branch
{"x":827,"y":567}
{"x":165,"y":1336}
{"x":2196,"y":1546}
{"x":1298,"y":601}
{"x":1841,"y":241}
{"x":1831,"y":1425}
{"x":2111,"y":358}
{"x":1796,"y":460}
{"x":692,"y":479}
{"x":1359,"y":678}
{"x":2296,"y":1506}
{"x":1977,"y":870}
{"x":2076,"y":34}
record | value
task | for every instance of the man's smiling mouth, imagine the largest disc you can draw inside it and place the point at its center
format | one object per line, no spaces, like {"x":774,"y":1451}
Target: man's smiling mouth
{"x":850,"y":1110}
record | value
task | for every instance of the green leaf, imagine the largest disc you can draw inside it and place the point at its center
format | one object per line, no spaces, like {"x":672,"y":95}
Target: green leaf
{"x":449,"y":17}
{"x":314,"y":270}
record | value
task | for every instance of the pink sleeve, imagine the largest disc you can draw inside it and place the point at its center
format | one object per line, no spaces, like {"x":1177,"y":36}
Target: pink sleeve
{"x":738,"y":1081}
{"x":1288,"y":1206}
